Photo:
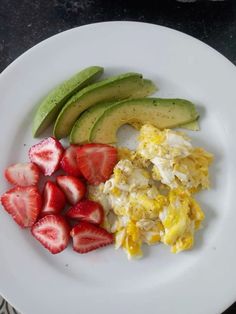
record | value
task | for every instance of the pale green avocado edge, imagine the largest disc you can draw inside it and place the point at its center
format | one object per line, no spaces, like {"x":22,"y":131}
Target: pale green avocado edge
{"x":81,"y":131}
{"x":96,"y":93}
{"x":51,"y":105}
{"x":154,"y":102}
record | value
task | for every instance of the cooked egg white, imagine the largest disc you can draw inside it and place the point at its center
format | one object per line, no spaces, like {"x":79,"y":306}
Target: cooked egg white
{"x":136,"y":202}
{"x":176,"y":163}
{"x":148,"y":199}
{"x":180,"y":219}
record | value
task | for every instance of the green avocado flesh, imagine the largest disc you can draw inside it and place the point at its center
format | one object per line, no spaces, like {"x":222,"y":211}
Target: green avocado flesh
{"x":81,"y":131}
{"x":193,"y":126}
{"x":160,"y":112}
{"x":51,"y":105}
{"x":112,"y":89}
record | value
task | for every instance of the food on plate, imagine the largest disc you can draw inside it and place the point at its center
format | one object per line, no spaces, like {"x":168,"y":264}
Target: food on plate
{"x":23,"y":174}
{"x":173,"y":160}
{"x":73,"y":188}
{"x":51,"y":105}
{"x":121,"y":196}
{"x":160,"y":112}
{"x":23,"y":203}
{"x":135,"y":112}
{"x":95,"y":120}
{"x":114,"y":88}
{"x":82,"y":112}
{"x":96,"y":162}
{"x":81,"y":131}
{"x":193,"y":126}
{"x":45,"y":212}
{"x":149,"y":197}
{"x":53,"y":232}
{"x":87,"y":210}
{"x":47,"y":155}
{"x":69,"y":161}
{"x":88,"y":237}
{"x":134,"y":197}
{"x":180,"y":218}
{"x":54,"y":199}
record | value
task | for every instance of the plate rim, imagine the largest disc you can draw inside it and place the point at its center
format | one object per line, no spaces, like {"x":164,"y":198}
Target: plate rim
{"x":41,"y":43}
{"x":10,"y":67}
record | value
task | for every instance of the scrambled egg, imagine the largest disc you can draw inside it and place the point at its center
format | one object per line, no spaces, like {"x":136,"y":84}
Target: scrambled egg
{"x":148,"y":199}
{"x":180,"y":219}
{"x":175,"y":162}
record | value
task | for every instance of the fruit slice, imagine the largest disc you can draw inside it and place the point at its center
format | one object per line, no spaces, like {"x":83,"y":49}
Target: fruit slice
{"x":160,"y":112}
{"x":193,"y":126}
{"x":54,"y":199}
{"x":51,"y":105}
{"x":87,"y":237}
{"x":23,"y":204}
{"x":23,"y":174}
{"x":73,"y":188}
{"x":52,"y":232}
{"x":111,"y":89}
{"x":83,"y":126}
{"x":47,"y":155}
{"x":87,"y":210}
{"x":69,"y":161}
{"x":96,"y":162}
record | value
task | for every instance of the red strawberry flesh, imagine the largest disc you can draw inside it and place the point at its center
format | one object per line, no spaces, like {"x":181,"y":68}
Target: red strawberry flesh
{"x":73,"y":188}
{"x":47,"y":155}
{"x":54,"y":199}
{"x":52,"y":232}
{"x":88,"y":237}
{"x":69,"y":161}
{"x":96,"y":162}
{"x":87,"y":210}
{"x":23,"y":174}
{"x":23,"y":204}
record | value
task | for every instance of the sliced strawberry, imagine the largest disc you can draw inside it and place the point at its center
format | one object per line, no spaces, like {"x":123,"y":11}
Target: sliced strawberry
{"x":52,"y":232}
{"x":23,"y":204}
{"x":73,"y":188}
{"x":87,"y":210}
{"x":47,"y":155}
{"x":96,"y":162}
{"x":54,"y":199}
{"x":69,"y":161}
{"x":23,"y":174}
{"x":88,"y":237}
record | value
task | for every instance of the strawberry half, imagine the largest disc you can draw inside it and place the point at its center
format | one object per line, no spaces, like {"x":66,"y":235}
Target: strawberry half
{"x":69,"y":161}
{"x":54,"y":199}
{"x":52,"y":232}
{"x":87,"y":237}
{"x":87,"y":211}
{"x":96,"y":162}
{"x":73,"y":188}
{"x":23,"y":174}
{"x":47,"y":155}
{"x":23,"y":204}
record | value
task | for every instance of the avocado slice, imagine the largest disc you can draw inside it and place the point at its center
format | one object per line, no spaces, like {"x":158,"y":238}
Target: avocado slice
{"x":193,"y":126}
{"x":160,"y":112}
{"x":81,"y":131}
{"x":114,"y":88}
{"x":51,"y":105}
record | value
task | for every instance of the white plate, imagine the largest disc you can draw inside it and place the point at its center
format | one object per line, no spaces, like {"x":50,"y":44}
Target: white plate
{"x":202,"y":280}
